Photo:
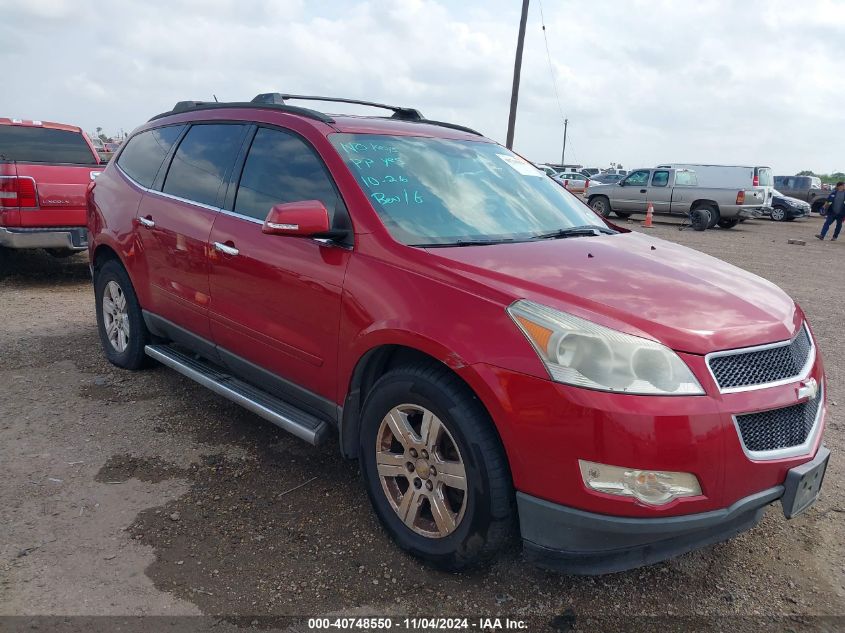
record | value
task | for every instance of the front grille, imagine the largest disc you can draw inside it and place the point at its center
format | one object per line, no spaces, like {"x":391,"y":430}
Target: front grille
{"x":739,"y":369}
{"x":778,"y":428}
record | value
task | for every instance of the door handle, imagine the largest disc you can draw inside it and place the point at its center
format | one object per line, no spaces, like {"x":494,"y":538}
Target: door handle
{"x":148,"y":222}
{"x":226,"y":249}
{"x":643,"y":190}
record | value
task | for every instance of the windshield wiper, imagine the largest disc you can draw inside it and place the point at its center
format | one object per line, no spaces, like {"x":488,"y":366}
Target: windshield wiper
{"x":575,"y":231}
{"x":478,"y":242}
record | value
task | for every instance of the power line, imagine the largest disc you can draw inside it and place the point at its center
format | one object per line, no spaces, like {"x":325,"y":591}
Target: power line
{"x":549,"y":57}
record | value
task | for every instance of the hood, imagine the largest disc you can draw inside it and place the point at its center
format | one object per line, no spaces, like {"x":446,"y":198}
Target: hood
{"x":795,"y":202}
{"x":641,"y":285}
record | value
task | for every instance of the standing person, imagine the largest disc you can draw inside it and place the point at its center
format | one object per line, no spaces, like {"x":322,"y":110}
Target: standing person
{"x":835,"y":211}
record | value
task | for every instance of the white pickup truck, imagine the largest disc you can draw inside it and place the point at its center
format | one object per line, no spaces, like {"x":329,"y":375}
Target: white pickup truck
{"x":675,"y":192}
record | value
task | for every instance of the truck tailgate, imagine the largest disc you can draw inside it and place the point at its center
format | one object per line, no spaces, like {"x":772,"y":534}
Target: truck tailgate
{"x":60,"y":191}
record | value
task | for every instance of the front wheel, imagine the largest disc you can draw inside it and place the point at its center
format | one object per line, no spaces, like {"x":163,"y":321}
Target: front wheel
{"x":601,"y":205}
{"x":778,"y":214}
{"x":728,"y":223}
{"x":434,"y":468}
{"x":123,"y":333}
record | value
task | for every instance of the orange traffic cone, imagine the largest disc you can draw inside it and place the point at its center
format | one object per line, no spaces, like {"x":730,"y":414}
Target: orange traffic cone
{"x":649,"y":214}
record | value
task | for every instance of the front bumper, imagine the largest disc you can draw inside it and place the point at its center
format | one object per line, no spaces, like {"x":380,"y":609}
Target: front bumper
{"x":74,"y":238}
{"x":578,"y":542}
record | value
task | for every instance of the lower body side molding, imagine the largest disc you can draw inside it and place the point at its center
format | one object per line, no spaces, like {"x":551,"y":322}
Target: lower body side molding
{"x":284,"y":415}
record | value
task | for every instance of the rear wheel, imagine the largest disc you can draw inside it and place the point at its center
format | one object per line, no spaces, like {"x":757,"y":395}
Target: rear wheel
{"x":715,"y":216}
{"x":778,"y":214}
{"x":434,"y":468}
{"x":601,"y":205}
{"x":699,"y":219}
{"x":123,"y":333}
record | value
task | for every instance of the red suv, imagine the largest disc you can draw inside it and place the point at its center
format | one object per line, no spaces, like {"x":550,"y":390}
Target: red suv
{"x":45,"y":169}
{"x":491,"y":351}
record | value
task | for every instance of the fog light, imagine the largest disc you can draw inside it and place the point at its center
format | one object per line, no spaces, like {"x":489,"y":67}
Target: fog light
{"x":654,"y":487}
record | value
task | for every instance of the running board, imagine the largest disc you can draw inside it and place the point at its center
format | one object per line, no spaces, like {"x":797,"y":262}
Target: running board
{"x":284,"y":415}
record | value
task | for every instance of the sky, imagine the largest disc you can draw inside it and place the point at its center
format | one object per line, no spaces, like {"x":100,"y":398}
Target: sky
{"x":642,"y":82}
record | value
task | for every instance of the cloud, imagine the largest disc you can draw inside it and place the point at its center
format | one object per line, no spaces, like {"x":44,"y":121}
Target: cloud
{"x":641,"y":81}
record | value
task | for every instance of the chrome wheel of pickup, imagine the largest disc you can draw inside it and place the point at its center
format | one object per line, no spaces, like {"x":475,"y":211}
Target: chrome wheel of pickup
{"x":421,"y":471}
{"x":115,"y":316}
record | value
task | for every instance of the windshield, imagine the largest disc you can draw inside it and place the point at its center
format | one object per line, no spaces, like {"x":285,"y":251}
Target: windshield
{"x":436,"y":191}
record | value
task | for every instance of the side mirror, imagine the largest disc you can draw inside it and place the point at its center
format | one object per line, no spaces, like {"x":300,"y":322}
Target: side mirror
{"x":308,"y":218}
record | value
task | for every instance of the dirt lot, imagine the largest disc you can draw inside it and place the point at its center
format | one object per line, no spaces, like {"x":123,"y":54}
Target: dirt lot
{"x":143,"y":493}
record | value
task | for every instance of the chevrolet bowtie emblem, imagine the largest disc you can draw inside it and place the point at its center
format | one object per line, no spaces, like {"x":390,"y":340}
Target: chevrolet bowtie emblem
{"x":808,"y":389}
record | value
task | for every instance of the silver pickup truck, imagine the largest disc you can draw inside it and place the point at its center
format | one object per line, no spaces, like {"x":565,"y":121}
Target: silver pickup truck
{"x":675,"y":192}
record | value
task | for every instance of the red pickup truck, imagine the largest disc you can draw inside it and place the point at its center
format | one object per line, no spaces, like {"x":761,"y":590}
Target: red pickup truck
{"x":45,"y":169}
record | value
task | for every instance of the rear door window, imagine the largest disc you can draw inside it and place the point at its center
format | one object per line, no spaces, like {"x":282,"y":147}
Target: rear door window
{"x":660,"y":179}
{"x":279,"y":168}
{"x":203,"y":162}
{"x":33,"y":144}
{"x":144,"y":153}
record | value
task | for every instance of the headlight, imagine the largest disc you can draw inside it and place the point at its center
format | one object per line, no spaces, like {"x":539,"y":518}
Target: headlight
{"x":654,"y":487}
{"x":584,"y":354}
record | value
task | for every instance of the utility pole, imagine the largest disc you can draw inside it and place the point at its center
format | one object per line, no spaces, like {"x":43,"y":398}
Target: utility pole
{"x":517,"y":69}
{"x":563,"y":152}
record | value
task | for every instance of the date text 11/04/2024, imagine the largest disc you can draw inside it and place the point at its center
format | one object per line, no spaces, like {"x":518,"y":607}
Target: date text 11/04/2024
{"x":418,"y":624}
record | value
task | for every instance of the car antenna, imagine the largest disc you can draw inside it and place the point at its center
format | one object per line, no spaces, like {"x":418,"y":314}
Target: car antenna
{"x":215,"y":98}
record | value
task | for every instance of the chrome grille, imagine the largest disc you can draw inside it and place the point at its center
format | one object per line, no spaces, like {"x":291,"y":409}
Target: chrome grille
{"x":759,"y":366}
{"x":779,"y":428}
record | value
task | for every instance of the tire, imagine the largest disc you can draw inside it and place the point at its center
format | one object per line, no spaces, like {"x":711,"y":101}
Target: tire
{"x":622,"y":215}
{"x":601,"y":205}
{"x":728,"y":223}
{"x":700,"y":219}
{"x":477,"y":522}
{"x":778,"y":214}
{"x":130,"y":335}
{"x":715,"y":216}
{"x":818,"y":207}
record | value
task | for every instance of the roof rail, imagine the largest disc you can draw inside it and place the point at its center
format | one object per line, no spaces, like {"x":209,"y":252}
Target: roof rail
{"x":190,"y":106}
{"x":405,"y":114}
{"x":276,"y":101}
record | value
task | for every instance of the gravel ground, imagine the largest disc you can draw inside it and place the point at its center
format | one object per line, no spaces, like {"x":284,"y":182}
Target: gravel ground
{"x":143,"y":493}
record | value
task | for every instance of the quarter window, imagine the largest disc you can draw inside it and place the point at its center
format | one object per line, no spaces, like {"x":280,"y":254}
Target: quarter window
{"x":144,"y":153}
{"x":660,"y":179}
{"x":203,"y":162}
{"x":281,"y":168}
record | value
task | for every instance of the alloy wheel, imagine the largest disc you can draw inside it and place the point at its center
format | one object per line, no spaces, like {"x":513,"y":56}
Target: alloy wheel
{"x":115,"y":316}
{"x":421,"y":471}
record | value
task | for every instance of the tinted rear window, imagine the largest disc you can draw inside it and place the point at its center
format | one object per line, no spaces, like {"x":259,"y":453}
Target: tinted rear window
{"x":203,"y":162}
{"x":43,"y":145}
{"x":143,"y":155}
